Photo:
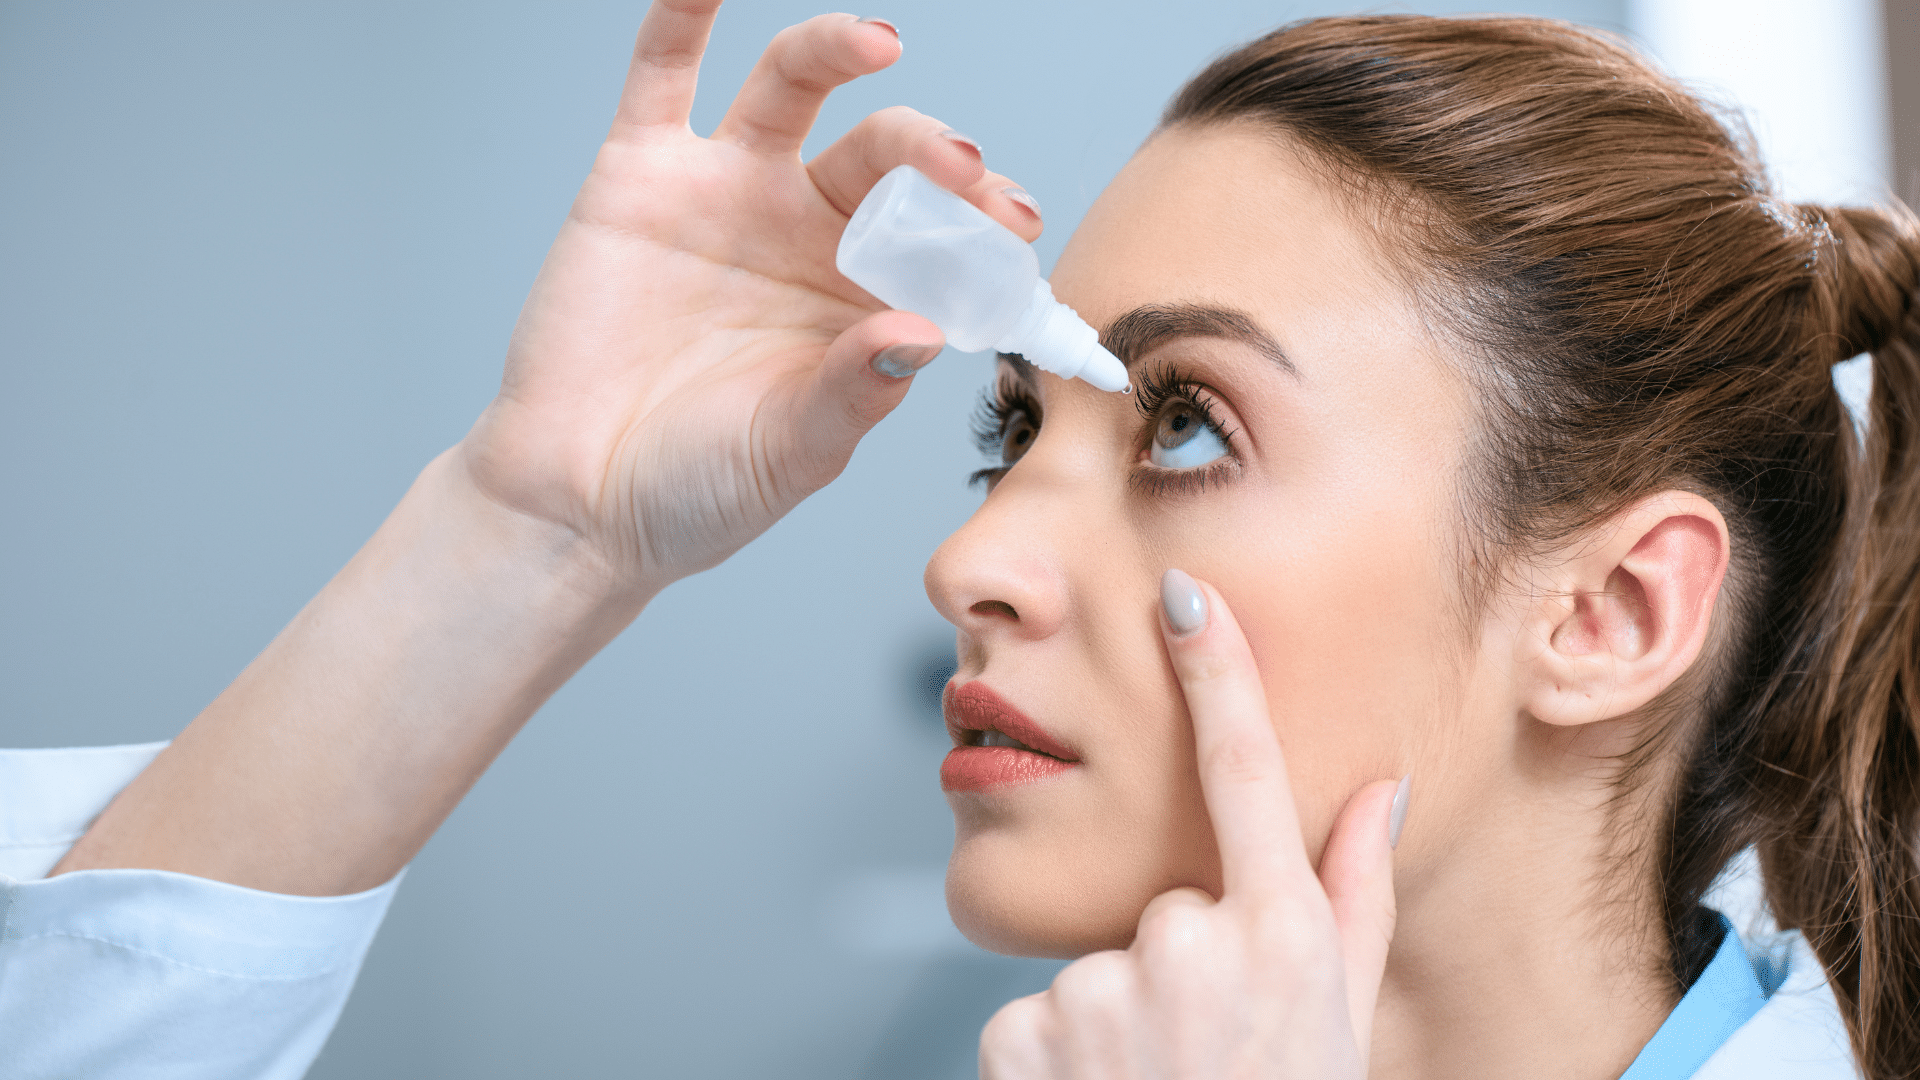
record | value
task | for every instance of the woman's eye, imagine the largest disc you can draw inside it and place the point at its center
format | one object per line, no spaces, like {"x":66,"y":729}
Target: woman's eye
{"x":1182,"y":439}
{"x":1019,"y":433}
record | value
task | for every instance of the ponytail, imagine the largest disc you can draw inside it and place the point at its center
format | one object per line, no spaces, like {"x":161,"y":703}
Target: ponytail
{"x":1839,"y":749}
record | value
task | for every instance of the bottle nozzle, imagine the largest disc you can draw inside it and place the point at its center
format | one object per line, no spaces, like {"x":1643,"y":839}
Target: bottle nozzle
{"x":1105,"y":371}
{"x":1052,"y":337}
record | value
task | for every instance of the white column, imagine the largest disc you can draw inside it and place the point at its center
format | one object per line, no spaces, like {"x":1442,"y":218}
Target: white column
{"x":1810,"y":75}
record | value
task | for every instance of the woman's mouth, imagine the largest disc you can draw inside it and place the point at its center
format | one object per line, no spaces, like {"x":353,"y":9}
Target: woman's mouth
{"x":995,"y":744}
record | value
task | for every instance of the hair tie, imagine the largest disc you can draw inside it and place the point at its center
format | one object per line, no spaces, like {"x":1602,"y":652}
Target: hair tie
{"x":1803,"y":222}
{"x":1853,"y":382}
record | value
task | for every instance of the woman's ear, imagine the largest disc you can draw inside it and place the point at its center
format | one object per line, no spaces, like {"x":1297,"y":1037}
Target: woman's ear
{"x":1624,"y":610}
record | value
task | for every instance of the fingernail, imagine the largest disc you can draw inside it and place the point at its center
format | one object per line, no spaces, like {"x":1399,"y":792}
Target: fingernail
{"x":900,"y":361}
{"x":1020,"y":196}
{"x":962,"y":140}
{"x":883,"y":22}
{"x":1397,"y":817}
{"x":1184,"y":603}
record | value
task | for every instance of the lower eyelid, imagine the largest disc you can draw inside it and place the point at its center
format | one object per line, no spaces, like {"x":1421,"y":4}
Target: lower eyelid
{"x":1156,"y":480}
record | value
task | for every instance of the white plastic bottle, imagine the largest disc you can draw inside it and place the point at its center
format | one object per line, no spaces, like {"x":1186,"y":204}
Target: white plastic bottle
{"x":923,"y":249}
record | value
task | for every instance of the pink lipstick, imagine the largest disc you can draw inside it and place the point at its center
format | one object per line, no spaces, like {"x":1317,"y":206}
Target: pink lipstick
{"x":995,"y":744}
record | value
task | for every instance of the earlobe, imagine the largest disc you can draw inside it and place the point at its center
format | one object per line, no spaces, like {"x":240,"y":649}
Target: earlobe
{"x":1628,"y":610}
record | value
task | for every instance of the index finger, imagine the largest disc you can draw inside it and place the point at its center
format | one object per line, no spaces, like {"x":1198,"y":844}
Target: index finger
{"x":666,"y":63}
{"x":1243,"y":773}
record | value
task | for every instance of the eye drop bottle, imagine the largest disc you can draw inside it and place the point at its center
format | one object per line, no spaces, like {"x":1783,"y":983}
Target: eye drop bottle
{"x":921,"y":248}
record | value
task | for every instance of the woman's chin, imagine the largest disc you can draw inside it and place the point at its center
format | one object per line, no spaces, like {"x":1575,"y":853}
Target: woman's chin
{"x":1013,"y":903}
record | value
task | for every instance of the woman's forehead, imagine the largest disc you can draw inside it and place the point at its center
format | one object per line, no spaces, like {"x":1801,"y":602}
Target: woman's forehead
{"x":1230,"y":218}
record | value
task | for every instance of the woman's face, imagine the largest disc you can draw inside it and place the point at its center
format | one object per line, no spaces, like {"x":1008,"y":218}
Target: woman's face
{"x":1298,"y":451}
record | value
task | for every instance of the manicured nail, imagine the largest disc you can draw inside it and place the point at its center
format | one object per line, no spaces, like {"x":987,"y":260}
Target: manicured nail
{"x":1184,"y":603}
{"x":883,"y":22}
{"x":900,"y":361}
{"x":1397,"y":817}
{"x":1020,"y":196}
{"x":962,"y":140}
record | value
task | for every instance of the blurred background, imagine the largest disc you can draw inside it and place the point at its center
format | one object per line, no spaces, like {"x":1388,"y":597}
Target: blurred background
{"x":258,"y":263}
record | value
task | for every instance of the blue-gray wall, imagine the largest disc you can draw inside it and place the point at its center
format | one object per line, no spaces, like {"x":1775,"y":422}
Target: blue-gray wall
{"x":257,"y":265}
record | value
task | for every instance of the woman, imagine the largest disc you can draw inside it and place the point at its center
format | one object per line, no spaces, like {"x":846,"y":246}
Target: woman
{"x":1482,"y":376}
{"x":1481,"y":387}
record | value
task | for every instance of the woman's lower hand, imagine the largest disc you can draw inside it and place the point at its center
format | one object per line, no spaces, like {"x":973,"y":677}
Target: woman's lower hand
{"x":1275,"y":978}
{"x":690,"y":364}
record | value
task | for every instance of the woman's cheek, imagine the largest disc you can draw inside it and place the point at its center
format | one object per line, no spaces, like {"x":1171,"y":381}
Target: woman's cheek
{"x":1347,"y":640}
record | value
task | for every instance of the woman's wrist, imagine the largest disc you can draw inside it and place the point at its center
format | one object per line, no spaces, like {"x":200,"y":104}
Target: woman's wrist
{"x":489,"y":529}
{"x":341,"y":748}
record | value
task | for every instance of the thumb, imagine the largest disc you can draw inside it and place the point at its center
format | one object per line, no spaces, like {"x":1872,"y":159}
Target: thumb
{"x":863,"y":376}
{"x":1356,"y":870}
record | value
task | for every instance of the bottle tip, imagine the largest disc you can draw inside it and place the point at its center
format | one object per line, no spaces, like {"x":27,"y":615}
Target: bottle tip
{"x":1104,"y":370}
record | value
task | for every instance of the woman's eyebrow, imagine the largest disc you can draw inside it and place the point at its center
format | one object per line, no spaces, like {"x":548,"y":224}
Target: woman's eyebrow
{"x":1146,"y":328}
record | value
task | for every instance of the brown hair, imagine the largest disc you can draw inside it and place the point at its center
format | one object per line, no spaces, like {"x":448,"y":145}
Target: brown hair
{"x":1643,"y":314}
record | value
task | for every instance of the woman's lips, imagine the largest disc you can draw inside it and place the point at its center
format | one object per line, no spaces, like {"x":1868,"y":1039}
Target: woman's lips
{"x":973,"y":711}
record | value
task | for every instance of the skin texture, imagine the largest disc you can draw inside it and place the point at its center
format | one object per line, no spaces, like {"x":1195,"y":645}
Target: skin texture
{"x":1334,"y":541}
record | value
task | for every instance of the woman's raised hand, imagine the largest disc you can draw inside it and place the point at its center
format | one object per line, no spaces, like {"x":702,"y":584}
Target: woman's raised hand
{"x":1276,"y":978}
{"x":690,"y":365}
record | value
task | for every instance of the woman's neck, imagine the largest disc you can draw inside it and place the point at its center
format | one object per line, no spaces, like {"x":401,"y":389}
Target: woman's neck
{"x":1521,"y":949}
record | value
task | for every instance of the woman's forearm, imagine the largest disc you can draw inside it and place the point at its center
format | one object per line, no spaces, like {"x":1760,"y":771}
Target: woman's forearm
{"x":341,"y":748}
{"x":670,"y":392}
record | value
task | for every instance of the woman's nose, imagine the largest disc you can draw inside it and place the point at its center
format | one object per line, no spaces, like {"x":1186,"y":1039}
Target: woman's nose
{"x":1004,"y":572}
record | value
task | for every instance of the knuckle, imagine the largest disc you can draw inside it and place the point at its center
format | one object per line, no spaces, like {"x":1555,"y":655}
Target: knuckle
{"x":1015,"y":1020}
{"x":806,"y":70}
{"x":824,"y":46}
{"x":884,"y":135}
{"x":1174,"y":929}
{"x":863,"y":411}
{"x":1240,"y":758}
{"x":674,"y":55}
{"x":897,"y":115}
{"x":1202,"y":665}
{"x":1094,"y":979}
{"x":789,"y":38}
{"x":1379,"y":924}
{"x":1013,"y":1037}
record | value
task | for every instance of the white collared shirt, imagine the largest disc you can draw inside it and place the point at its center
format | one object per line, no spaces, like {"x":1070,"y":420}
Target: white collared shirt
{"x":117,"y":974}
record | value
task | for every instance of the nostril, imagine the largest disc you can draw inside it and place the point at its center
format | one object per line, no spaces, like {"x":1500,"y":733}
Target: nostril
{"x":995,"y":607}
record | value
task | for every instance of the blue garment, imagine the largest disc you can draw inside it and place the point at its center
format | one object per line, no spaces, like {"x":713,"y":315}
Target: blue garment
{"x":1725,"y":996}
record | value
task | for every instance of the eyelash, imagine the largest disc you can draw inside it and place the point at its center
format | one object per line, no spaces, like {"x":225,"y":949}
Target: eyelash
{"x":991,"y":415}
{"x":1154,"y":388}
